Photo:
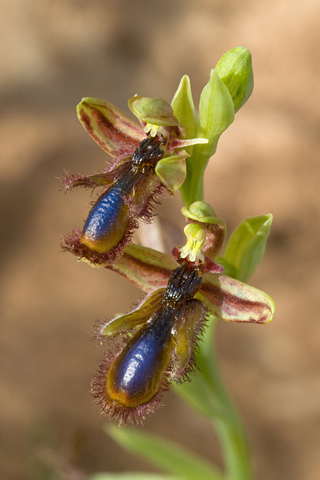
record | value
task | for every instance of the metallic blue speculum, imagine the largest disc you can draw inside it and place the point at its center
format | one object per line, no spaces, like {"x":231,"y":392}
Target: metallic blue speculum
{"x":139,"y":362}
{"x":107,"y":221}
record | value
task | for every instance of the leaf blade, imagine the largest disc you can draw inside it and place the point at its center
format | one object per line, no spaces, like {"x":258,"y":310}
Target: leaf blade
{"x":165,"y":455}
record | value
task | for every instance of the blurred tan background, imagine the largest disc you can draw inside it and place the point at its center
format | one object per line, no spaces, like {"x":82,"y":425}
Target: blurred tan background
{"x":54,"y":52}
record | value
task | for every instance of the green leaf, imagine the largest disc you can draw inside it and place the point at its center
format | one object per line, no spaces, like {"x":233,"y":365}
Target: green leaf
{"x":183,"y":107}
{"x":247,"y":245}
{"x":130,"y":476}
{"x":165,"y":455}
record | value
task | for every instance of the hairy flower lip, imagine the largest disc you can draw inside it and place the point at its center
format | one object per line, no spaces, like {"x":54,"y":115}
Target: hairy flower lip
{"x":162,"y":334}
{"x":131,"y":191}
{"x":183,"y":307}
{"x":113,"y":409}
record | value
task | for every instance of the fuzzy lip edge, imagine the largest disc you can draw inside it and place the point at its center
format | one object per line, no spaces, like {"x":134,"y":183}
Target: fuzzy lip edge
{"x":177,"y":368}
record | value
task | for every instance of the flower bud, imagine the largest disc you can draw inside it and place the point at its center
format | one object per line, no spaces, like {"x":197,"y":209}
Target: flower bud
{"x":235,"y":70}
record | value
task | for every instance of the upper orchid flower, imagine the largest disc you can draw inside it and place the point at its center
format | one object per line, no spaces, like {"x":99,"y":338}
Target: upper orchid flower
{"x":147,"y":162}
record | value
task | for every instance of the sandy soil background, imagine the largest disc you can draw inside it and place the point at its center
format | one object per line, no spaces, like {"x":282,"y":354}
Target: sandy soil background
{"x":54,"y":52}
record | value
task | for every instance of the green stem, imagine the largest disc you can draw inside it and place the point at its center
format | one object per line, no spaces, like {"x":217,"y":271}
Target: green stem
{"x":208,"y":395}
{"x":206,"y":392}
{"x":192,"y":189}
{"x":227,"y":423}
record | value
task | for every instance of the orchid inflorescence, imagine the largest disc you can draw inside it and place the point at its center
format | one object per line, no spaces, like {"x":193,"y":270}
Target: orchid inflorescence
{"x":155,"y":344}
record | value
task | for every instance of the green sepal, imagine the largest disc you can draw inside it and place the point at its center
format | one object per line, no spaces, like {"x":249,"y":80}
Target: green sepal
{"x":216,"y":112}
{"x":200,"y":212}
{"x":172,"y":171}
{"x":155,"y":111}
{"x":183,"y":107}
{"x":247,"y":245}
{"x":235,"y":70}
{"x":165,"y":454}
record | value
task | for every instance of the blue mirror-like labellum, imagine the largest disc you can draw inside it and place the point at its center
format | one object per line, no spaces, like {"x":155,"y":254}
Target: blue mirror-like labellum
{"x":135,"y":374}
{"x":163,"y":333}
{"x":131,"y":189}
{"x":107,"y":221}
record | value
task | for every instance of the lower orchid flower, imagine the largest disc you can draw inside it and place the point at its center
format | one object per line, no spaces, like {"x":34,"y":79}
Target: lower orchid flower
{"x":155,"y":344}
{"x":162,"y":334}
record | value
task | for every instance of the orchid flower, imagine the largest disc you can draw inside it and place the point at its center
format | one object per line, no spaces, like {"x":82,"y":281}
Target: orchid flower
{"x":147,"y":163}
{"x":154,"y":345}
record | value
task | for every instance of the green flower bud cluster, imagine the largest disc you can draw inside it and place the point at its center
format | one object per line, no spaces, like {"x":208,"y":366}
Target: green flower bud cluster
{"x":229,"y":87}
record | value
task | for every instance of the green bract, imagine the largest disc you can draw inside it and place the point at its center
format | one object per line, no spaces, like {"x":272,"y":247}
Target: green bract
{"x":183,"y":107}
{"x":247,"y":245}
{"x":216,"y":112}
{"x":172,"y":171}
